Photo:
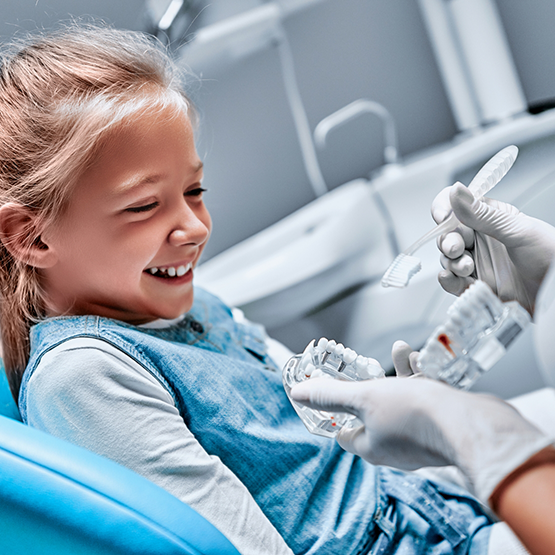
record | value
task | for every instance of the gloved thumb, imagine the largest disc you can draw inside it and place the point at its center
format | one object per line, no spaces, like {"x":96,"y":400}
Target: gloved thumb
{"x":404,"y":358}
{"x":355,"y":440}
{"x":327,"y":394}
{"x":483,"y":217}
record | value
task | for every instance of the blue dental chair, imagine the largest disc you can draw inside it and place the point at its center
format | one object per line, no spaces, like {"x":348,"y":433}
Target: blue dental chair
{"x":59,"y":499}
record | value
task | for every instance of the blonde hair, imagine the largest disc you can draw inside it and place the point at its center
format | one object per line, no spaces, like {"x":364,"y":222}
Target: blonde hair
{"x":60,"y":96}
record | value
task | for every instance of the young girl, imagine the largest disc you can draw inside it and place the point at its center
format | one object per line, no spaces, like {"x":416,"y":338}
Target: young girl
{"x":108,"y":345}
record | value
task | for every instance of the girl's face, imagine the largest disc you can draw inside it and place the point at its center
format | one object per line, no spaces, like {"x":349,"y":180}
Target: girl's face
{"x":135,"y":227}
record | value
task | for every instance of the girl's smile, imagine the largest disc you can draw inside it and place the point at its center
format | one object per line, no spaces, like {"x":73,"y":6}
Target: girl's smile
{"x":175,"y":271}
{"x":135,"y":227}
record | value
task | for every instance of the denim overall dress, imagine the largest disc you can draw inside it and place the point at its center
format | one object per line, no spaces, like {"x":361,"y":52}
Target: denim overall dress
{"x":321,"y":499}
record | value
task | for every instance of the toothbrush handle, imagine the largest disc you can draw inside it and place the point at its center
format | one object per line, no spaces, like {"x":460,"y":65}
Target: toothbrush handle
{"x":445,"y":226}
{"x":484,"y":181}
{"x":493,"y":171}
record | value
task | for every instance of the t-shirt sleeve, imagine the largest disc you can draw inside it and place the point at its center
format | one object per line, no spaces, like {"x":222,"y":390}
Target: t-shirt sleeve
{"x":93,"y":395}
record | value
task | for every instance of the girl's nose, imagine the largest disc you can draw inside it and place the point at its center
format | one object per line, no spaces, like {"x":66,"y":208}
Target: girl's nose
{"x":178,"y":237}
{"x":193,"y":232}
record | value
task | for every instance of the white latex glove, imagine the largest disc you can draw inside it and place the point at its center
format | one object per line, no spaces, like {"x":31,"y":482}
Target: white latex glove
{"x":415,"y":422}
{"x":498,"y":244}
{"x":404,"y":359}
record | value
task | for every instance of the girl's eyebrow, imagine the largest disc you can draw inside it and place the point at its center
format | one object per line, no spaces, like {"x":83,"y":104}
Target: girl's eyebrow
{"x":137,"y":181}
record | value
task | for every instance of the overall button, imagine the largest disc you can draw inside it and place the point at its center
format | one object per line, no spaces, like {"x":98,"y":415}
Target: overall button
{"x":197,"y":327}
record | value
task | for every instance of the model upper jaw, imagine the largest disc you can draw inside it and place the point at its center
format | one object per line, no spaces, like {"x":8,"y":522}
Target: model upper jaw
{"x":170,"y":271}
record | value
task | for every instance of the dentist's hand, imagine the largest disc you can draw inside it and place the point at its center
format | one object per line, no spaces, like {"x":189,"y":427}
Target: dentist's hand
{"x":415,"y":422}
{"x":497,"y":243}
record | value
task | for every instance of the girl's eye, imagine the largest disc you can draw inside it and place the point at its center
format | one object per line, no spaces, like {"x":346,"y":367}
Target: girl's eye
{"x":145,"y":208}
{"x":197,"y":192}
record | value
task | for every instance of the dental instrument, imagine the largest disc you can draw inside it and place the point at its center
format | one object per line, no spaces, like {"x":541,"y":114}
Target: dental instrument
{"x":327,"y":359}
{"x":477,"y":333}
{"x":405,"y":265}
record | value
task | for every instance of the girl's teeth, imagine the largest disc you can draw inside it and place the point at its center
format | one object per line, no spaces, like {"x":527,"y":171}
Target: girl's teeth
{"x":171,"y":271}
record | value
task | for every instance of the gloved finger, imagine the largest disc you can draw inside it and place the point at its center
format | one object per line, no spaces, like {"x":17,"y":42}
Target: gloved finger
{"x":451,"y":245}
{"x":441,"y":205}
{"x":380,"y":447}
{"x":461,"y":267}
{"x":441,"y":208}
{"x":329,"y":395}
{"x":354,"y":440}
{"x":400,"y":353}
{"x":454,"y":284}
{"x":492,"y":218}
{"x":413,"y":359}
{"x":467,"y":235}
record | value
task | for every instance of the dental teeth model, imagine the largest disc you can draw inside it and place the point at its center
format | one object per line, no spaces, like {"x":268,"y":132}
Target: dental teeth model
{"x":477,"y":333}
{"x":327,"y":359}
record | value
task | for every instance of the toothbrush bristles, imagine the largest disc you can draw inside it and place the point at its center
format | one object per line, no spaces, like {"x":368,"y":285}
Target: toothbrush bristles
{"x":401,"y":271}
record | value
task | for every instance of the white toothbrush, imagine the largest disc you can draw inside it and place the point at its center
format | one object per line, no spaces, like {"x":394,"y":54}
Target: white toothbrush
{"x":405,"y":265}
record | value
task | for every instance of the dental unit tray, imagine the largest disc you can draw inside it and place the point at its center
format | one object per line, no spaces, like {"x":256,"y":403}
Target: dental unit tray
{"x":477,"y":333}
{"x":327,"y":359}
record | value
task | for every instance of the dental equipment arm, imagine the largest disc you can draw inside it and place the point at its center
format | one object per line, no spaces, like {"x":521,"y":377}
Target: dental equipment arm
{"x":410,"y":423}
{"x":495,"y":243}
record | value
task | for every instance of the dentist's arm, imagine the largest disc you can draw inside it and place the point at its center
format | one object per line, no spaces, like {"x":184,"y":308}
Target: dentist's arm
{"x":413,"y":422}
{"x":526,"y":505}
{"x":496,"y":243}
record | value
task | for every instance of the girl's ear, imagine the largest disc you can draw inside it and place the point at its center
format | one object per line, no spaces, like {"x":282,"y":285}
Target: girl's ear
{"x":19,"y":232}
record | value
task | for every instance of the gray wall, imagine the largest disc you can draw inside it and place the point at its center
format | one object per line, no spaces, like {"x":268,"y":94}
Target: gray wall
{"x":529,"y":27}
{"x":32,"y":14}
{"x":343,"y":50}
